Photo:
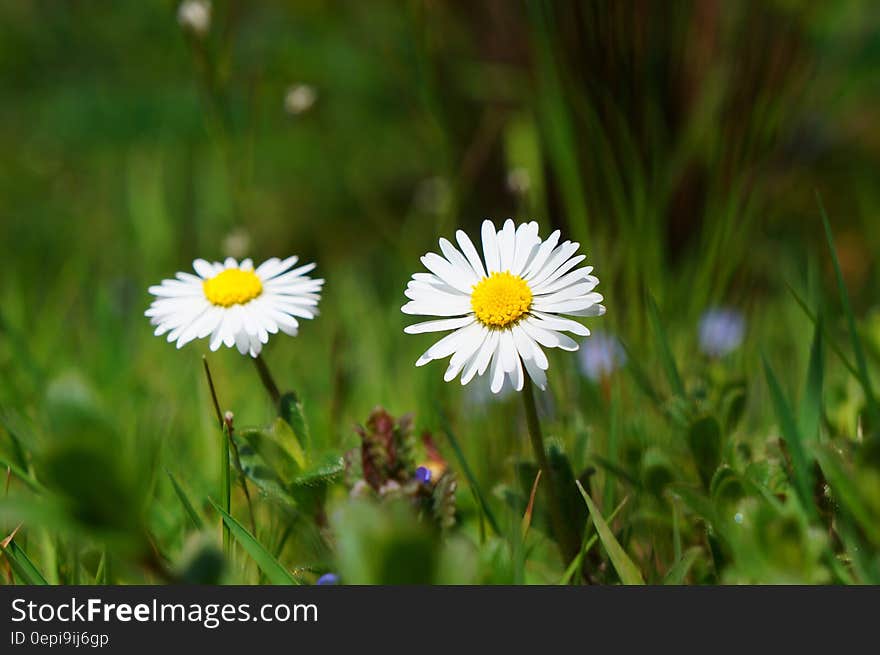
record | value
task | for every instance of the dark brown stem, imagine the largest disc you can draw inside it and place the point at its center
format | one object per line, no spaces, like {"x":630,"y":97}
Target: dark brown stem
{"x":267,"y":380}
{"x":213,"y":392}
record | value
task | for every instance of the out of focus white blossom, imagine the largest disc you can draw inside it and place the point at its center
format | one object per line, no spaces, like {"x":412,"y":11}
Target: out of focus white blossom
{"x":519,"y":181}
{"x":195,"y":16}
{"x":299,"y":99}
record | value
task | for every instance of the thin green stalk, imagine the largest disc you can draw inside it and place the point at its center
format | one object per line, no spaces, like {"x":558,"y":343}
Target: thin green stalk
{"x":267,"y":380}
{"x":569,"y":543}
{"x":242,"y":479}
{"x":225,"y":492}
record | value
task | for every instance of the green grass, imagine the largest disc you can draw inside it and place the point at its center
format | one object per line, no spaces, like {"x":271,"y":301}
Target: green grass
{"x":683,"y":148}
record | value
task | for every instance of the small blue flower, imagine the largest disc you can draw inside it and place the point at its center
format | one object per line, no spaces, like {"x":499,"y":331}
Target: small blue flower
{"x":423,"y":474}
{"x":721,"y":331}
{"x":601,"y":355}
{"x":328,"y":578}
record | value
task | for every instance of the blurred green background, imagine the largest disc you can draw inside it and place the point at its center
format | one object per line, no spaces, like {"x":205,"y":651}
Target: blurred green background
{"x":684,"y":144}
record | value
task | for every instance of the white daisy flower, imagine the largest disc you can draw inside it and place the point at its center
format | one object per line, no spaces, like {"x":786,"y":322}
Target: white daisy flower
{"x":504,"y":307}
{"x":234,"y":303}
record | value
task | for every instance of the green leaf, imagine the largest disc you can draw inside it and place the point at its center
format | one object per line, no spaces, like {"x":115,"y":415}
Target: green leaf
{"x":326,"y":470}
{"x":863,"y":376}
{"x":704,"y":440}
{"x":801,"y":463}
{"x":276,"y":447}
{"x":626,"y":569}
{"x":184,"y":500}
{"x":252,"y":446}
{"x":665,"y":351}
{"x":22,"y":565}
{"x":679,"y":570}
{"x":274,"y":571}
{"x":310,"y":487}
{"x":292,"y":413}
{"x":290,"y":440}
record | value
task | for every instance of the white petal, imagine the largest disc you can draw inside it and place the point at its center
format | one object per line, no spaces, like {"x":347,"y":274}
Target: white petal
{"x":255,"y":347}
{"x":507,"y":245}
{"x":551,"y":286}
{"x":459,"y":261}
{"x":575,"y":291}
{"x":472,"y":365}
{"x":507,"y":350}
{"x":540,"y":257}
{"x":516,"y":377}
{"x":450,"y":343}
{"x":527,"y":241}
{"x":556,"y":259}
{"x":467,"y":247}
{"x":539,"y":377}
{"x":487,"y":351}
{"x":449,"y":273}
{"x":490,"y":247}
{"x":438,"y":307}
{"x":594,"y":310}
{"x":188,"y":277}
{"x":542,"y":287}
{"x":242,"y":342}
{"x":568,"y":306}
{"x":177,"y":289}
{"x":548,"y":338}
{"x":497,"y":374}
{"x":203,"y":268}
{"x":439,"y":326}
{"x":561,"y":323}
{"x":266,"y":269}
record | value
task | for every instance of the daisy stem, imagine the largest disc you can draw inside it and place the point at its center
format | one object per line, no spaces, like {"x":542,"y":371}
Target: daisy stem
{"x":569,"y":544}
{"x":267,"y":380}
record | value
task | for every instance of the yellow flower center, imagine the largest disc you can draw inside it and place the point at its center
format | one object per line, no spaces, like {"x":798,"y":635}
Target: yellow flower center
{"x":500,"y":299}
{"x":232,"y":287}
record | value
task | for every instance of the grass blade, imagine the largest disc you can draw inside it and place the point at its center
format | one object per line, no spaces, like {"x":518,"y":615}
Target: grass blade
{"x":800,"y":461}
{"x":666,"y":357}
{"x":527,"y":517}
{"x":811,"y":403}
{"x":271,"y":567}
{"x":626,"y":569}
{"x":679,"y":570}
{"x":184,"y":500}
{"x":22,"y":565}
{"x":858,"y":350}
{"x":468,"y":473}
{"x":22,"y":475}
{"x":576,"y":562}
{"x":831,"y":342}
